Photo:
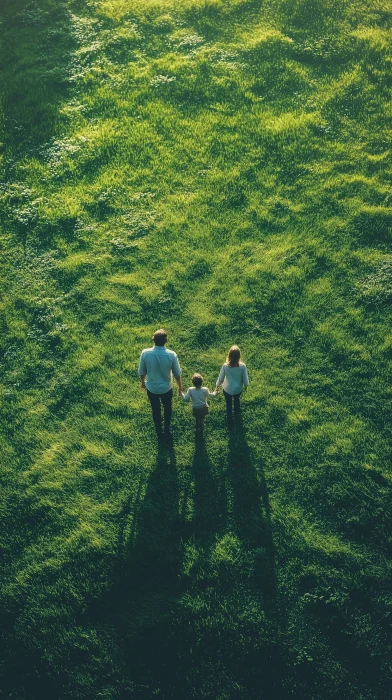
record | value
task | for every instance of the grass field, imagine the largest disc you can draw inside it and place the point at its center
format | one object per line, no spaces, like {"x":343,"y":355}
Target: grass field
{"x":220,"y":168}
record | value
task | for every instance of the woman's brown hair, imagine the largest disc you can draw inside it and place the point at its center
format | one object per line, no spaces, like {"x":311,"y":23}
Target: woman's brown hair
{"x":233,"y":357}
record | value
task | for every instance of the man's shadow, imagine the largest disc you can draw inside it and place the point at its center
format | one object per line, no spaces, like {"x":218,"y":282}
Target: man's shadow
{"x":251,"y":510}
{"x":143,"y":601}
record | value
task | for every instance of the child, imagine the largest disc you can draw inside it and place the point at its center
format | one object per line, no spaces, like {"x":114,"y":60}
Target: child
{"x":198,"y":394}
{"x":234,"y":377}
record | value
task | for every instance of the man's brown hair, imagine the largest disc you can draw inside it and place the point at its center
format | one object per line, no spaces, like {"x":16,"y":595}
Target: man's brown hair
{"x":160,"y":337}
{"x":197,"y":380}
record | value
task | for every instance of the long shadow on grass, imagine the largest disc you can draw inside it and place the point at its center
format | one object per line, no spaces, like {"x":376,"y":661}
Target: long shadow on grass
{"x":157,"y":636}
{"x":251,"y":510}
{"x":143,"y":600}
{"x":225,"y":622}
{"x":198,"y":648}
{"x":210,"y":502}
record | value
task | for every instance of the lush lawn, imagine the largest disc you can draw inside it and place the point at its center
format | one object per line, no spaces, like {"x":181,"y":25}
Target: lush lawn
{"x":219,"y":168}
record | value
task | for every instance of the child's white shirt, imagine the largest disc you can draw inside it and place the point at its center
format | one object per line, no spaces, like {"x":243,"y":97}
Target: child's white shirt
{"x":198,"y":397}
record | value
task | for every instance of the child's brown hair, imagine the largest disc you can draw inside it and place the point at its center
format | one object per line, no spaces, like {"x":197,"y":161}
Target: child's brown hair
{"x":197,"y":380}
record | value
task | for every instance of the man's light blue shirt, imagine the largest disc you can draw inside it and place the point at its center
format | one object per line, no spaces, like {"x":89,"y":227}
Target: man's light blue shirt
{"x":160,"y":364}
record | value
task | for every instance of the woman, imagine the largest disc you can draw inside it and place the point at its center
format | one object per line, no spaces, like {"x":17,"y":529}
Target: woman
{"x":234,"y":377}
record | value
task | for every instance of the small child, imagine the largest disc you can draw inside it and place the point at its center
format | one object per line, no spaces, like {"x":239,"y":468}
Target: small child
{"x":198,"y":395}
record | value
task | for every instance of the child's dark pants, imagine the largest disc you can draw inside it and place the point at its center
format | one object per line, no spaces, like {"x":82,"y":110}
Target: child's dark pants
{"x":200,"y":414}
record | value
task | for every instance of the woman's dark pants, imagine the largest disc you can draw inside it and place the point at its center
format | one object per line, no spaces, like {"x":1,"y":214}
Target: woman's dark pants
{"x":229,"y":404}
{"x":155,"y":401}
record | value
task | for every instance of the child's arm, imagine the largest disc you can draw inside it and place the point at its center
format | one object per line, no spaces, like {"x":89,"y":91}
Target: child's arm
{"x":187,"y":396}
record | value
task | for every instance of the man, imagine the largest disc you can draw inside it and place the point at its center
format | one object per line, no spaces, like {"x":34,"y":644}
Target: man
{"x":160,"y":364}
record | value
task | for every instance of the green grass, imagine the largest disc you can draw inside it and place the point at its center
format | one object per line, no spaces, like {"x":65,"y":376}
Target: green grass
{"x":221,"y":169}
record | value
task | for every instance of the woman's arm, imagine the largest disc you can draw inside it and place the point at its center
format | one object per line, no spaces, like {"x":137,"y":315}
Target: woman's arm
{"x":221,"y":376}
{"x":245,"y":378}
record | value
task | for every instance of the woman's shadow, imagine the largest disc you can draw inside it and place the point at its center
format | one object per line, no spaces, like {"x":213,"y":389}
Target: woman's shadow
{"x":251,"y":510}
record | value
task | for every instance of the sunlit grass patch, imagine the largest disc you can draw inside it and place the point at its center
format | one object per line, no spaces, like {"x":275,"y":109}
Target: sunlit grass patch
{"x":219,"y":169}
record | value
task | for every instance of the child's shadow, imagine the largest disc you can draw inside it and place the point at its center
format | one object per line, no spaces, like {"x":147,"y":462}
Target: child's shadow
{"x":210,"y":502}
{"x":251,"y":509}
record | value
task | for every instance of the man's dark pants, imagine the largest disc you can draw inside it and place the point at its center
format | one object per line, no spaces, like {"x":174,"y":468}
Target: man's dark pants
{"x":155,"y":401}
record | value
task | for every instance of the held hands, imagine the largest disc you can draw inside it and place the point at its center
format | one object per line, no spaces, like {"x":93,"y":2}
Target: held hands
{"x":143,"y":385}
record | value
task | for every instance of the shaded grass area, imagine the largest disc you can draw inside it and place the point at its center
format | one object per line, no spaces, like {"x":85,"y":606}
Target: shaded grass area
{"x":221,"y":169}
{"x":196,"y":568}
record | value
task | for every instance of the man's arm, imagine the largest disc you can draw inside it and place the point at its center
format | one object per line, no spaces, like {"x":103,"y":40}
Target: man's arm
{"x":142,"y":371}
{"x":176,"y":369}
{"x":179,"y":384}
